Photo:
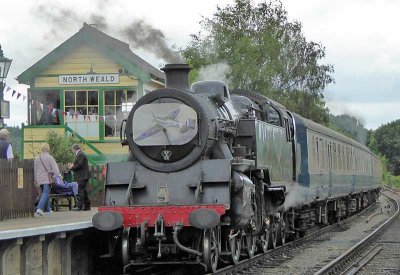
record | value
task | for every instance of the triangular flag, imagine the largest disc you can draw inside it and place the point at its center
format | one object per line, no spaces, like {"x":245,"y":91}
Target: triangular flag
{"x":8,"y":88}
{"x":13,"y":93}
{"x":89,"y":118}
{"x":76,"y":115}
{"x":18,"y":95}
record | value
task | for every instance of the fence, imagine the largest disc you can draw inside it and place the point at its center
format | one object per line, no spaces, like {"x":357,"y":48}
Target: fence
{"x":16,"y":189}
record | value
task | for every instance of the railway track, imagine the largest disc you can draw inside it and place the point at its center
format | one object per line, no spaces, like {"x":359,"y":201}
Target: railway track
{"x":273,"y":259}
{"x":363,"y":257}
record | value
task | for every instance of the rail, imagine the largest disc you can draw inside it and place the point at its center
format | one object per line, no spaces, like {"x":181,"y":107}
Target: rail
{"x":248,"y":263}
{"x":343,"y":260}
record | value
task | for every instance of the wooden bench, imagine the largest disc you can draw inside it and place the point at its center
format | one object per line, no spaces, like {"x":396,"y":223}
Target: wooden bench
{"x":55,"y":200}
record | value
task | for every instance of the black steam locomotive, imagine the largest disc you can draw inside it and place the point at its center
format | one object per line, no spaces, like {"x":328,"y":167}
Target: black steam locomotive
{"x":218,"y":174}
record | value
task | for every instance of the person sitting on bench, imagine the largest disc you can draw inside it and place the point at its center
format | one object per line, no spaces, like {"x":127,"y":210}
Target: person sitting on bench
{"x":63,"y":187}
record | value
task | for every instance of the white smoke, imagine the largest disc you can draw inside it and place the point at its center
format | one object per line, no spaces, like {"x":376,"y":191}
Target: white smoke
{"x":297,"y":195}
{"x":219,"y":71}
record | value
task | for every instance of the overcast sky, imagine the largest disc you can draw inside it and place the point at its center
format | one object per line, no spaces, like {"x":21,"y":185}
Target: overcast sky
{"x":360,"y":37}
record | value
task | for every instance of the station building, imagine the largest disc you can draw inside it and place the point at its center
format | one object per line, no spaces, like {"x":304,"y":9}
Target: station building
{"x":86,"y":86}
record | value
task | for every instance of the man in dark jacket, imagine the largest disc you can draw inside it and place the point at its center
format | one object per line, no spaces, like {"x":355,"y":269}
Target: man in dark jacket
{"x":80,"y":167}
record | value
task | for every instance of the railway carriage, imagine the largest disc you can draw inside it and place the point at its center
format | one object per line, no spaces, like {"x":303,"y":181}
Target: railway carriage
{"x":218,"y":174}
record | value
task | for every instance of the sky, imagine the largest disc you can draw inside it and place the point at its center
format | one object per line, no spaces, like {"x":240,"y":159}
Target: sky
{"x":360,"y":39}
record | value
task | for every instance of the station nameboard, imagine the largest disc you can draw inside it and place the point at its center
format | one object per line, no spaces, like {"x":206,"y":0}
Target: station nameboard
{"x":72,"y":79}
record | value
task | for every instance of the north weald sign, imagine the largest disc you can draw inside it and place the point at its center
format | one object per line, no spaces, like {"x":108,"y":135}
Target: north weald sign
{"x":73,"y":79}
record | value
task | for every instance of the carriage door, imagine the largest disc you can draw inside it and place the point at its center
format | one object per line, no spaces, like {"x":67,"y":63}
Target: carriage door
{"x":330,"y":163}
{"x":291,"y":133}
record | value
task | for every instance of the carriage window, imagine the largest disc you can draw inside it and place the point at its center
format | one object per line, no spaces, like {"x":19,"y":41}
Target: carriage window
{"x":273,"y":116}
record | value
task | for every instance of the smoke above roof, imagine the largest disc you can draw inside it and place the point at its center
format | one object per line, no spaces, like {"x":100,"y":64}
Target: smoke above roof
{"x":137,"y":32}
{"x":142,"y":35}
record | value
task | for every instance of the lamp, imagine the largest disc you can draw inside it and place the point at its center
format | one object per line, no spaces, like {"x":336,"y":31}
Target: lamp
{"x":5,"y":64}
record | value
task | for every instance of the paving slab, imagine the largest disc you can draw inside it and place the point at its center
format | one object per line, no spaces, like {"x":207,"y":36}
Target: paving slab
{"x":60,"y":221}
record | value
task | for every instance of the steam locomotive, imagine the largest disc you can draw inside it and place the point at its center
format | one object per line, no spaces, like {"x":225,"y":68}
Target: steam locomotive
{"x":217,"y":174}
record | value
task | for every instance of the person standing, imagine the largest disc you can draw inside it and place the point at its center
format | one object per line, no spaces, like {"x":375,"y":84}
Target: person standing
{"x":6,"y":151}
{"x":44,"y":164}
{"x":80,"y":167}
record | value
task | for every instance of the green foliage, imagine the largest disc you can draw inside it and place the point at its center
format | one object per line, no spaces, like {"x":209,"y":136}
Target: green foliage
{"x":15,"y":139}
{"x":371,"y":142}
{"x":60,"y":146}
{"x":386,"y":140}
{"x":387,"y":177}
{"x":265,"y":53}
{"x":349,"y":126}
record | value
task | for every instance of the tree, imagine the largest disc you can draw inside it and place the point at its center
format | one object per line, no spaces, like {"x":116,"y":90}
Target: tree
{"x":387,"y":141}
{"x":349,"y":126}
{"x":15,"y":139}
{"x":265,"y":53}
{"x":60,"y":146}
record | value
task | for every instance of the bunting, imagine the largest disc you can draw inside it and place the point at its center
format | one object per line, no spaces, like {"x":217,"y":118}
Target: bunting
{"x":60,"y":113}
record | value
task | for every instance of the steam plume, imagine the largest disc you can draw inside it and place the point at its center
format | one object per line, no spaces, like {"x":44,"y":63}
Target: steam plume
{"x":297,"y":195}
{"x":142,"y":35}
{"x":219,"y":71}
{"x":139,"y":33}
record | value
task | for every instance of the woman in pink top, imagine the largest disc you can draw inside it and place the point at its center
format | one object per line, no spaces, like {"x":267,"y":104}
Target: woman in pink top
{"x":44,"y":163}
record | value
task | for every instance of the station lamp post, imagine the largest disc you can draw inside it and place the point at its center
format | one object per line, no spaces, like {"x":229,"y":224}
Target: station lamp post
{"x":5,"y":64}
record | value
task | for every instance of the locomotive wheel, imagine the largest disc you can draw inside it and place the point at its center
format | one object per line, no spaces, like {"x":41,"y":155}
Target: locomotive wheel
{"x":250,"y":245}
{"x":281,"y":230}
{"x":235,"y":245}
{"x":210,"y":249}
{"x":273,"y":233}
{"x":264,"y":241}
{"x":126,"y":246}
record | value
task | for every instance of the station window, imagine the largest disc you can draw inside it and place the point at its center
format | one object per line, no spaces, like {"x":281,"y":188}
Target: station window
{"x":118,"y":104}
{"x":82,"y":108}
{"x":43,"y":108}
{"x":82,"y":102}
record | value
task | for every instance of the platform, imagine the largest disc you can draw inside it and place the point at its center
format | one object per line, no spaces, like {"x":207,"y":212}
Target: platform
{"x":61,"y":221}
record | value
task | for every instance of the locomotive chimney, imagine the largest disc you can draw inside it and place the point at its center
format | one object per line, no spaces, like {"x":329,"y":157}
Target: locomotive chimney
{"x":177,"y":76}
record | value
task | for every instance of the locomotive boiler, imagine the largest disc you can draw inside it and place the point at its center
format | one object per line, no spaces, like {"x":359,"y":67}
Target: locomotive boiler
{"x":218,"y":174}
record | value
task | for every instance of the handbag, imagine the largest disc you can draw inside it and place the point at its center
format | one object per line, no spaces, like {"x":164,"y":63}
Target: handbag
{"x":50,"y":174}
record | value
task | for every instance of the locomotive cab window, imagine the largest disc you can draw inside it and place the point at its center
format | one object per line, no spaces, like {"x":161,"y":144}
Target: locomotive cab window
{"x":273,"y":116}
